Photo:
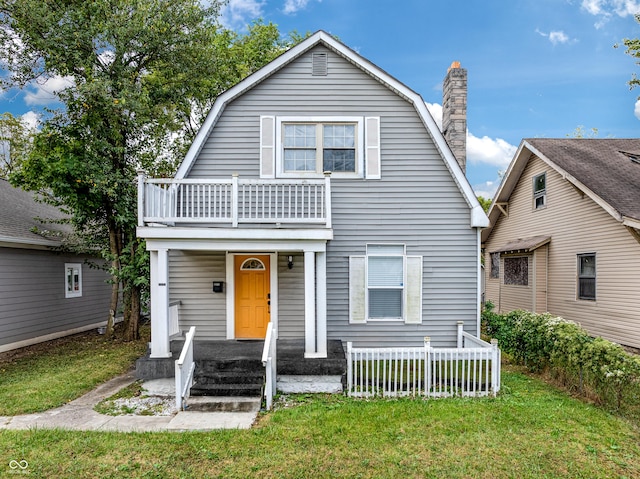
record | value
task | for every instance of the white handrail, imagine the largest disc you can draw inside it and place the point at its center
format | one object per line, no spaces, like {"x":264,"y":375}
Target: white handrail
{"x":234,"y":201}
{"x":184,"y":370}
{"x":269,"y":363}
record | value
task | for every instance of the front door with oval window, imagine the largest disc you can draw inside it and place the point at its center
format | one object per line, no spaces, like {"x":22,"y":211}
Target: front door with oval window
{"x":252,"y":298}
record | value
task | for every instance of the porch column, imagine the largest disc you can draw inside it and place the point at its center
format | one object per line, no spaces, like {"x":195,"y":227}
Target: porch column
{"x":310,"y":304}
{"x":321,"y":301}
{"x":160,"y":304}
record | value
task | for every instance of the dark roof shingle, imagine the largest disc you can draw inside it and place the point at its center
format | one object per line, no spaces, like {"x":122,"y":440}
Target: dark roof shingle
{"x":18,"y":213}
{"x":602,"y":165}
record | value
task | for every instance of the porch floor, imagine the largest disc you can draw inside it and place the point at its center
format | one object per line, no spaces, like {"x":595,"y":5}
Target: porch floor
{"x":290,"y":358}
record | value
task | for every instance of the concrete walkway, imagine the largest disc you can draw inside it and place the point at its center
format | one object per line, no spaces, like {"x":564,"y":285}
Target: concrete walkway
{"x":79,"y":415}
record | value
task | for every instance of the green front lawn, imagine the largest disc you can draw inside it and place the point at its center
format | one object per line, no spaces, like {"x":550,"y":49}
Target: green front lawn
{"x":531,"y":430}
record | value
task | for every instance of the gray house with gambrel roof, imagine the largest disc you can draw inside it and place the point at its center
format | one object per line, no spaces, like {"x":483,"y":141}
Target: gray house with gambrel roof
{"x":564,"y":234}
{"x":319,"y":195}
{"x":44,"y":293}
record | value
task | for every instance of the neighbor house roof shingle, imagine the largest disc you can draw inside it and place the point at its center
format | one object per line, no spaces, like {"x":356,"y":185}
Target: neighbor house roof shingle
{"x":18,"y":213}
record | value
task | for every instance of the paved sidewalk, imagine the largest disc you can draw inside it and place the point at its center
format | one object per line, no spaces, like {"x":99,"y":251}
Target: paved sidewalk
{"x":79,"y":415}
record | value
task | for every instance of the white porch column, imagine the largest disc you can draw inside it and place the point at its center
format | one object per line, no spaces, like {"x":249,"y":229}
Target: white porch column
{"x":321,"y":302}
{"x":160,"y":304}
{"x":310,"y":304}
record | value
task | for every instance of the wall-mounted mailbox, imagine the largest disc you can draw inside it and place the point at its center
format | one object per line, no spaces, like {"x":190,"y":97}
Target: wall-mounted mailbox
{"x":218,"y":286}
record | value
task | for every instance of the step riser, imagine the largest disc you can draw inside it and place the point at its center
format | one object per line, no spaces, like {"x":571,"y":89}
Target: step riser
{"x":230,"y":366}
{"x":255,"y":391}
{"x":228,"y":379}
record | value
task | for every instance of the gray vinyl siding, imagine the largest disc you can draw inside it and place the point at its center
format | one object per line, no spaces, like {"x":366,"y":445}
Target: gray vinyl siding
{"x":416,"y":202}
{"x":576,"y":225}
{"x":32,"y":296}
{"x":191,"y":277}
{"x":291,"y":297}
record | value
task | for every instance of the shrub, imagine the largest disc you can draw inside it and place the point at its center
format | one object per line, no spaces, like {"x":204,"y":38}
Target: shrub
{"x":594,"y":367}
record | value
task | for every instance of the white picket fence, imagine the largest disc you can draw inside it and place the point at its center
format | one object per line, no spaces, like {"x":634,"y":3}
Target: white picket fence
{"x":472,"y":369}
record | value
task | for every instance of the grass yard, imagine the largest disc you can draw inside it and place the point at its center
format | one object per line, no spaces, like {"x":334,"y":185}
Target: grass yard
{"x":531,"y":430}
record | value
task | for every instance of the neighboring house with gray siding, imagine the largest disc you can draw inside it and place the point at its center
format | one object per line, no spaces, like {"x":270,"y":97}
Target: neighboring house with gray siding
{"x":565,"y":235}
{"x":381,"y":250}
{"x":44,"y":294}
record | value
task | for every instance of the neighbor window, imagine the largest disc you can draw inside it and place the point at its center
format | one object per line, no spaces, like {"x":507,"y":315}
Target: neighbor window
{"x":73,"y":280}
{"x":587,"y":276}
{"x":495,"y":265}
{"x":516,"y":270}
{"x":385,"y":281}
{"x":318,"y":147}
{"x":540,"y":190}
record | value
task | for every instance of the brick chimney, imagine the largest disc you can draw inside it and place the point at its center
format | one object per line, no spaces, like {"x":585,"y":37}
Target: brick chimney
{"x":454,"y":112}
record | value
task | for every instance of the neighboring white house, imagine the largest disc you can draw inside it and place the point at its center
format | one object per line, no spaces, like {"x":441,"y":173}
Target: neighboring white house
{"x":321,"y":196}
{"x":44,"y":293}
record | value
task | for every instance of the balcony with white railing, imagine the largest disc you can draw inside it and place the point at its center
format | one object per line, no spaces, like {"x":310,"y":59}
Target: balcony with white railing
{"x":234,"y":201}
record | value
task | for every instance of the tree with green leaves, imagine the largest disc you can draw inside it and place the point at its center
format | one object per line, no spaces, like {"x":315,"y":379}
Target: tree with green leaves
{"x":142,"y":75}
{"x":485,"y":203}
{"x":633,"y":50}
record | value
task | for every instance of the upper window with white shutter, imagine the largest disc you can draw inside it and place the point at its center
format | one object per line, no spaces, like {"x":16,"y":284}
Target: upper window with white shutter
{"x":306,"y":147}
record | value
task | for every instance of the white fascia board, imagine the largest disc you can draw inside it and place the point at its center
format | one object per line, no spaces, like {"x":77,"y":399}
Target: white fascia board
{"x":249,"y":246}
{"x":631,"y":222}
{"x":11,"y":242}
{"x":262,"y":234}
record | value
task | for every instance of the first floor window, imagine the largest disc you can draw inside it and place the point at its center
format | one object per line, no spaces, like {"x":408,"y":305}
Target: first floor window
{"x":587,"y":276}
{"x":385,"y":281}
{"x":73,"y":280}
{"x":516,"y":270}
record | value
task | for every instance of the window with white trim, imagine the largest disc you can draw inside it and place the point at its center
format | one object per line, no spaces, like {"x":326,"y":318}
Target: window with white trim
{"x":587,"y":276}
{"x":385,"y":284}
{"x":385,"y":281}
{"x":306,"y":147}
{"x":540,"y":191}
{"x":72,"y":280}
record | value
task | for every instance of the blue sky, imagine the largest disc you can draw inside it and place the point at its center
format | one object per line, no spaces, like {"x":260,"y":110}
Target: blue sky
{"x":536,"y":68}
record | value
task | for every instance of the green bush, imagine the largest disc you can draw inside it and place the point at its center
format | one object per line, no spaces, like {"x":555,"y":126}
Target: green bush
{"x":593,"y":367}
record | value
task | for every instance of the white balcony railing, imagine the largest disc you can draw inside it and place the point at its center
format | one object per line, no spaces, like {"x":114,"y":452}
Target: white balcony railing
{"x":234,"y":201}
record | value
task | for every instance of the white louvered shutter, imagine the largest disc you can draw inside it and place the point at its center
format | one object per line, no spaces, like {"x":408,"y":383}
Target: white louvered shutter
{"x":357,"y":285}
{"x":267,"y":147}
{"x":372,"y":147}
{"x":413,"y":290}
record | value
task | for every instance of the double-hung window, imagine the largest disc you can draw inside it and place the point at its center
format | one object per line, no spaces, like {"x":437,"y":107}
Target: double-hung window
{"x":385,"y":281}
{"x":72,"y":280}
{"x":385,"y":284}
{"x":319,"y":147}
{"x":540,"y":191}
{"x":587,"y":276}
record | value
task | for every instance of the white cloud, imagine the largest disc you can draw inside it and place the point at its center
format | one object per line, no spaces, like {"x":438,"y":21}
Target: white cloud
{"x":636,"y":110}
{"x":436,"y":112}
{"x":490,"y":151}
{"x":556,"y":37}
{"x":238,"y":13}
{"x":31,"y":119}
{"x":294,"y":6}
{"x":606,"y":8}
{"x":45,"y":93}
{"x":487,"y":189}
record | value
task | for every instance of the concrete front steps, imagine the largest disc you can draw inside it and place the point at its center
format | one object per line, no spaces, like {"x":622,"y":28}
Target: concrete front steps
{"x":240,"y":377}
{"x":224,"y":404}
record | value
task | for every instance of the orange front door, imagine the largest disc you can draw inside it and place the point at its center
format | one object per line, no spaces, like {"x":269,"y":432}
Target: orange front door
{"x":252,"y":288}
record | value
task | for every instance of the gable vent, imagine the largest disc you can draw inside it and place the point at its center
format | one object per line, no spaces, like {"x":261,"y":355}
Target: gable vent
{"x":319,"y":65}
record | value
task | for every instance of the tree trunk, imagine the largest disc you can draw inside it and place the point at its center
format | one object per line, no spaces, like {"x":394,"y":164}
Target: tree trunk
{"x":113,"y":307}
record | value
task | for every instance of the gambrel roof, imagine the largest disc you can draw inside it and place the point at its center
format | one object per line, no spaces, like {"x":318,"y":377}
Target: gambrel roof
{"x":478,"y":217}
{"x":606,"y":170}
{"x":19,"y":218}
